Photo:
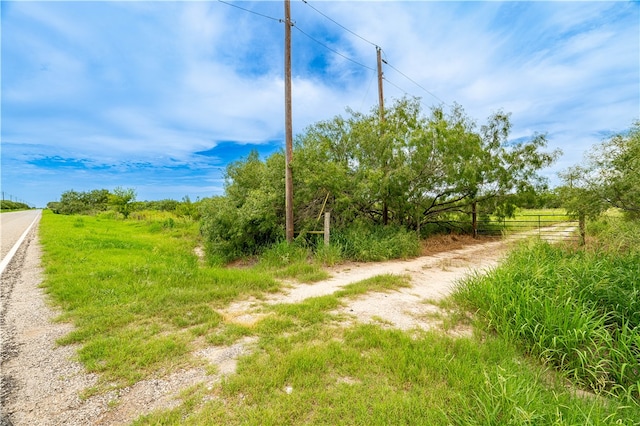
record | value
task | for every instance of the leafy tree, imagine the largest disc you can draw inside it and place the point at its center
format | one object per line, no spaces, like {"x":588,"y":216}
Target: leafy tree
{"x":410,"y":169}
{"x":74,"y":202}
{"x":250,"y":216}
{"x":609,"y":177}
{"x":122,"y":199}
{"x":7,"y":205}
{"x":406,"y":170}
{"x":186,"y":208}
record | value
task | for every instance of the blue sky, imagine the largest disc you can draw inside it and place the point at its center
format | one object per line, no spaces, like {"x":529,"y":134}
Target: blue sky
{"x":160,"y":96}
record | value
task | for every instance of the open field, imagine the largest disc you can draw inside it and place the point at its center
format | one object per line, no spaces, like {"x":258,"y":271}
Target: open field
{"x":147,"y":312}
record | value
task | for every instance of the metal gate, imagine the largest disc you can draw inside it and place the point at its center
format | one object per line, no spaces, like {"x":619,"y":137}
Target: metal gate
{"x":547,"y":227}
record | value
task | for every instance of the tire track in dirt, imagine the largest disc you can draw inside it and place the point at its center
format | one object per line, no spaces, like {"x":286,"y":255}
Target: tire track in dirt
{"x":432,"y":278}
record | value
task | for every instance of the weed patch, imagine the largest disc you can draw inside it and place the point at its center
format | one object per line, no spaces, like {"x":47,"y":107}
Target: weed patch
{"x":578,"y":310}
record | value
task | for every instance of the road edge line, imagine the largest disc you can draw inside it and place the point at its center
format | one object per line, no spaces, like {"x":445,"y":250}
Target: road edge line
{"x":9,"y":257}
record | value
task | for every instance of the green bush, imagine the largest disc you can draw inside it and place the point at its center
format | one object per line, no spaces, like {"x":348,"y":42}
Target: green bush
{"x":231,"y":232}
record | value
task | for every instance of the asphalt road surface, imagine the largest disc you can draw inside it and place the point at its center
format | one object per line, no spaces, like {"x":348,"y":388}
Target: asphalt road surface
{"x":12,"y":226}
{"x":15,"y":231}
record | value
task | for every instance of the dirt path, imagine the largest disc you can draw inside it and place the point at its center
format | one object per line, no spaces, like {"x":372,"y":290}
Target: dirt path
{"x":432,"y":278}
{"x":42,"y":383}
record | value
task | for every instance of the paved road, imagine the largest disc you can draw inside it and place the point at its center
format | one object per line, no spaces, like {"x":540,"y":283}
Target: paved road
{"x":12,"y":226}
{"x":14,"y":241}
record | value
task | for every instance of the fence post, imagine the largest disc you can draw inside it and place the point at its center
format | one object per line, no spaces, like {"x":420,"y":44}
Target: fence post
{"x":474,"y":219}
{"x":327,"y":223}
{"x":539,"y":227}
{"x":582,"y":223}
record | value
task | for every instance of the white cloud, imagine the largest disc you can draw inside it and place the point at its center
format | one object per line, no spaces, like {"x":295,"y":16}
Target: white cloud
{"x":155,"y":81}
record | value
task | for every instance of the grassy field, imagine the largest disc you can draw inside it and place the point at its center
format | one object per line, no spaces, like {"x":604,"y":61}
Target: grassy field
{"x":142,"y":302}
{"x":135,"y":291}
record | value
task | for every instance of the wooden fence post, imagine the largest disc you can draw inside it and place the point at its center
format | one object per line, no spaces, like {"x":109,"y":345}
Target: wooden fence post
{"x":474,"y":219}
{"x":582,"y":226}
{"x":327,"y":223}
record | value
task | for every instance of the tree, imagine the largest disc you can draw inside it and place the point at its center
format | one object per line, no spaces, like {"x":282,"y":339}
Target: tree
{"x":405,"y":171}
{"x":250,"y":216}
{"x":74,"y":202}
{"x":609,"y":177}
{"x":122,"y":199}
{"x":411,"y":169}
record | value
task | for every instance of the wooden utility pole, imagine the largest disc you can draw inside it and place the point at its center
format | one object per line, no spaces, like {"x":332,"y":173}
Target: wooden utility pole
{"x":287,"y":122}
{"x":385,"y":207}
{"x":380,"y":94}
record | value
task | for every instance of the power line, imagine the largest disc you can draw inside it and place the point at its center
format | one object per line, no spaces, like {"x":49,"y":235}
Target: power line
{"x":306,"y":34}
{"x":340,"y":25}
{"x":374,"y":44}
{"x":333,"y":50}
{"x":337,"y":52}
{"x":413,"y":81}
{"x":405,"y":92}
{"x":251,"y":11}
{"x":373,"y":76}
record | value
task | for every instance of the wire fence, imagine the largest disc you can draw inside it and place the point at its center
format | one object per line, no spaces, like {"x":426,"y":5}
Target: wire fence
{"x":548,"y":227}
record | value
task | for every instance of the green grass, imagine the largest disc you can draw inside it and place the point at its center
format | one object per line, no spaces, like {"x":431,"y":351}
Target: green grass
{"x":523,"y":220}
{"x":294,"y":261}
{"x":577,"y":310}
{"x":367,"y":375}
{"x":135,"y":293}
{"x":526,"y":219}
{"x":309,"y":369}
{"x":142,"y":301}
{"x":556,"y":214}
{"x":374,"y":244}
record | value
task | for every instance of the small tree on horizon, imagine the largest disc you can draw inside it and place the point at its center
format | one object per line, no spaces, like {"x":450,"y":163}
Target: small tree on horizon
{"x":122,"y":199}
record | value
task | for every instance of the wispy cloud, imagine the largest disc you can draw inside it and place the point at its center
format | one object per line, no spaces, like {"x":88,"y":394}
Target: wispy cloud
{"x":161,"y":95}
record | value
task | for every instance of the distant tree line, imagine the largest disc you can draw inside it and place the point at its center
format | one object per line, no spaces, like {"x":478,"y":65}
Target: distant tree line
{"x":407,"y":170}
{"x":120,"y":200}
{"x":8,"y":205}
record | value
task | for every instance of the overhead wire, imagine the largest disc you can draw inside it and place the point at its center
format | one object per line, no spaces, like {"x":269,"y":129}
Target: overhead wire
{"x":251,"y":11}
{"x":377,"y":46}
{"x":337,"y":52}
{"x":301,"y":31}
{"x":340,"y":25}
{"x":404,"y":91}
{"x":333,"y":50}
{"x":413,"y":81}
{"x":373,"y":76}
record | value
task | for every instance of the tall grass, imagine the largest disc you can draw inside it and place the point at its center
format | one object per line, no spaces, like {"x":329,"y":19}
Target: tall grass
{"x":578,"y":310}
{"x":141,"y":302}
{"x":286,"y":260}
{"x":368,"y":243}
